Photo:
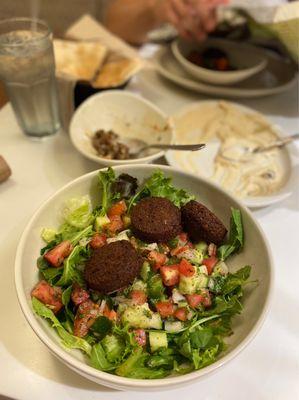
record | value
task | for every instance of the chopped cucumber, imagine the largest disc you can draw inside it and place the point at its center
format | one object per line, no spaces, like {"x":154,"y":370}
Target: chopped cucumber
{"x":100,"y":222}
{"x":138,"y":284}
{"x":190,"y":284}
{"x":220,"y":269}
{"x":141,"y":317}
{"x":145,"y":271}
{"x":155,"y":287}
{"x":157,"y":340}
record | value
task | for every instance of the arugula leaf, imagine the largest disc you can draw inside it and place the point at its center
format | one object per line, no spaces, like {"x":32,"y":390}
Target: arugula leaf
{"x":65,"y":298}
{"x":236,"y":236}
{"x":107,"y":178}
{"x":70,"y":271}
{"x":238,"y":279}
{"x":52,"y":275}
{"x":68,"y":340}
{"x":101,"y":327}
{"x":160,"y":186}
{"x":200,"y":338}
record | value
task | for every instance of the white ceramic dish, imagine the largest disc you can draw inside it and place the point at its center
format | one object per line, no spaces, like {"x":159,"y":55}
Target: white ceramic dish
{"x":256,"y":252}
{"x":289,"y":155}
{"x":279,"y":76}
{"x":248,"y":60}
{"x":125,"y":113}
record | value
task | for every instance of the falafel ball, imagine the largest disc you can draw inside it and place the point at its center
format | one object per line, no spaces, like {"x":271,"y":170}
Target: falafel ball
{"x":156,"y":219}
{"x":201,"y":224}
{"x":112,"y":267}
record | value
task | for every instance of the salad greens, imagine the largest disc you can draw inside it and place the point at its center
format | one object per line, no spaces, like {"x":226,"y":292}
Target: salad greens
{"x":142,"y":340}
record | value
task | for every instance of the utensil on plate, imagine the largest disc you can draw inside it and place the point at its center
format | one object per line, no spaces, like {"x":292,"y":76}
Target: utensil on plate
{"x":138,"y":146}
{"x":244,"y":152}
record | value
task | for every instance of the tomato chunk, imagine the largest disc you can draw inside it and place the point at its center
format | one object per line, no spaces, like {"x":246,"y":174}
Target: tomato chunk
{"x":194,"y":300}
{"x":179,"y":250}
{"x":165,"y":308}
{"x":98,"y":240}
{"x":170,"y":274}
{"x":116,"y":224}
{"x":186,"y":268}
{"x":181,"y":313}
{"x":158,"y":258}
{"x":140,"y":336}
{"x":57,"y":255}
{"x":79,"y":295}
{"x":210,"y":263}
{"x":48,"y":295}
{"x":138,"y":296}
{"x":87,"y":313}
{"x":118,"y":208}
{"x":207,"y":298}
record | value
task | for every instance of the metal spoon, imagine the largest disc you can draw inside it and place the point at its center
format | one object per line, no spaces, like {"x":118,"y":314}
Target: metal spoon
{"x":247,"y":151}
{"x":138,"y":146}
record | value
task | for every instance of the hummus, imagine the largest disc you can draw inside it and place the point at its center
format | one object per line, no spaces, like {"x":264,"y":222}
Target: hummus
{"x":230,"y":133}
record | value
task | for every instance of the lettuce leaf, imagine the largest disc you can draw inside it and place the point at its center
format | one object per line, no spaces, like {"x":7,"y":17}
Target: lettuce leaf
{"x":236,"y":236}
{"x":68,"y":340}
{"x":77,"y":212}
{"x":70,"y":271}
{"x":161,"y":186}
{"x":107,"y":178}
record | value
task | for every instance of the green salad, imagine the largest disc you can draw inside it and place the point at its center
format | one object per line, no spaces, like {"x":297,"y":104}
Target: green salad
{"x":139,"y":282}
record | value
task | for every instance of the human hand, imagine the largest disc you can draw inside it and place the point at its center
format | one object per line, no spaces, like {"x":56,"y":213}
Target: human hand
{"x":191,"y":18}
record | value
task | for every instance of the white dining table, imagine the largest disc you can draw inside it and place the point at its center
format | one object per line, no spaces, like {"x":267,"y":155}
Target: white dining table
{"x":268,"y":369}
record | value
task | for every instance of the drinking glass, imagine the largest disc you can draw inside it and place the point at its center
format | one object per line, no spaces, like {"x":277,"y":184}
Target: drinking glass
{"x":27,"y":69}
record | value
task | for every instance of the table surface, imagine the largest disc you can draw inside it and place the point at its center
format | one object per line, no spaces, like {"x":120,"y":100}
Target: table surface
{"x":267,"y":369}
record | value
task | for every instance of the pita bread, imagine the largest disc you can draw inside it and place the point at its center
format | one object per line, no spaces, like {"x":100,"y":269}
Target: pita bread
{"x":117,"y":72}
{"x":78,"y":60}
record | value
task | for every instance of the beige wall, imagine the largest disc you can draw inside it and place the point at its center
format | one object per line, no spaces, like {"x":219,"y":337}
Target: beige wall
{"x":59,"y":14}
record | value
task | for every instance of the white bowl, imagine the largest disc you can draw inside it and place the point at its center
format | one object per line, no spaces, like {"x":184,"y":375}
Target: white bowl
{"x":256,"y":252}
{"x":248,"y":60}
{"x":125,"y":113}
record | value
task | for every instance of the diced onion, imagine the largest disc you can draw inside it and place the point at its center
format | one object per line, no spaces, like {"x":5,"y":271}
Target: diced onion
{"x":173,"y":326}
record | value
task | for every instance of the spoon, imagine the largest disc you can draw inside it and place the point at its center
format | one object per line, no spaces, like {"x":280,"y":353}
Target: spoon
{"x":138,"y":146}
{"x":244,"y":151}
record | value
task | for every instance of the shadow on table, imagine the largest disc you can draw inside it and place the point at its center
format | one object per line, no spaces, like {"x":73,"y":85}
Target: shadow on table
{"x":16,"y":335}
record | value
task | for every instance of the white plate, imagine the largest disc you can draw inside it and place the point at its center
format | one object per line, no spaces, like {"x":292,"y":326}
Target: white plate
{"x":289,"y":157}
{"x":279,"y":76}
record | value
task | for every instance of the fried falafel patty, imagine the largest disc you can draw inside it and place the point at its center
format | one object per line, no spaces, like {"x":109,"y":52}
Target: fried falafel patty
{"x":201,"y":224}
{"x":112,"y":267}
{"x":156,"y":219}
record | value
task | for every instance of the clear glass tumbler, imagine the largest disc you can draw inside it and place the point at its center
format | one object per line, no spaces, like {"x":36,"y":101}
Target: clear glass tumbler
{"x":27,"y":69}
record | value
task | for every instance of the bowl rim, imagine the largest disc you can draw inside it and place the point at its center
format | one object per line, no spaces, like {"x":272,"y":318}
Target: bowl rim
{"x":105,"y":377}
{"x":217,"y":74}
{"x":124,"y":93}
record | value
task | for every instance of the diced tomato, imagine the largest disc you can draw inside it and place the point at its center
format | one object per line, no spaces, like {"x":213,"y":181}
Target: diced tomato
{"x":79,"y":295}
{"x":178,"y":250}
{"x":118,"y":208}
{"x":138,"y":296}
{"x":222,"y":64}
{"x":49,"y":295}
{"x":212,"y":249}
{"x":140,"y":336}
{"x":186,"y":268}
{"x":116,"y":224}
{"x":165,"y":308}
{"x":158,"y":258}
{"x":110,"y":314}
{"x":98,"y":240}
{"x":181,"y":313}
{"x":207,"y":299}
{"x":210,"y":263}
{"x":56,"y":255}
{"x":194,"y":300}
{"x":87,"y":313}
{"x":170,"y":274}
{"x":183,"y":237}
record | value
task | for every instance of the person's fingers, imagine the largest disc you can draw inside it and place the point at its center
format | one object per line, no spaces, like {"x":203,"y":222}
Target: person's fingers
{"x":209,"y":21}
{"x":180,"y":7}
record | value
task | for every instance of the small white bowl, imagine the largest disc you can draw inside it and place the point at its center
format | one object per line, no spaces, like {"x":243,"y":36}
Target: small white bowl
{"x":248,"y":60}
{"x":256,"y":252}
{"x":125,"y":113}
